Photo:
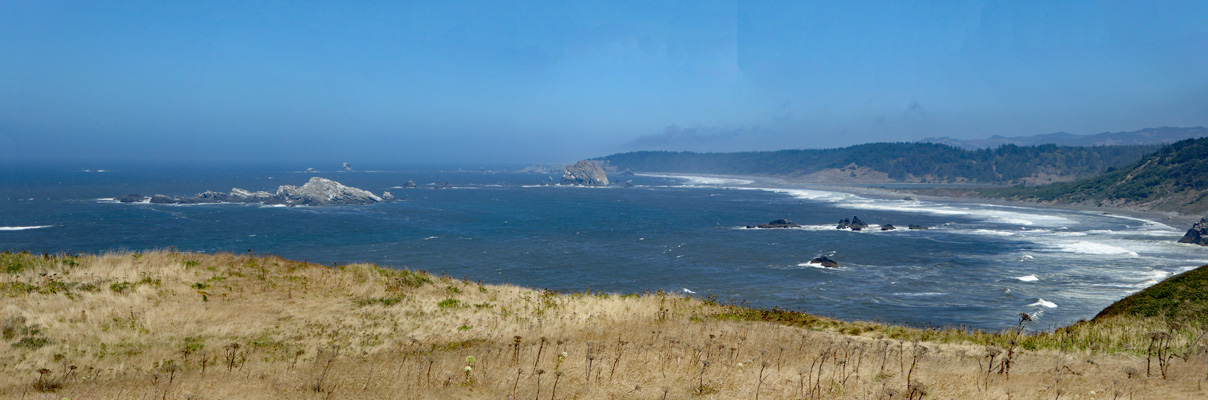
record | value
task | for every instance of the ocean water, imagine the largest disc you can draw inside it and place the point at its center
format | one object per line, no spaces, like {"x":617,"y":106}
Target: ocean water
{"x":979,"y":265}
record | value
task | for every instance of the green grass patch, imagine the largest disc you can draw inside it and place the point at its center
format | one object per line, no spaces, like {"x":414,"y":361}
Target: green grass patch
{"x":31,"y":343}
{"x":1181,"y":299}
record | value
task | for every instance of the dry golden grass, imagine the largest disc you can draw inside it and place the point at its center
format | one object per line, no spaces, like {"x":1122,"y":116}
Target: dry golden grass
{"x":169,"y":325}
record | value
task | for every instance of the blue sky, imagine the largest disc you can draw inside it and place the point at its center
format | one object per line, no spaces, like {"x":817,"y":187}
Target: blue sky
{"x":529,"y":81}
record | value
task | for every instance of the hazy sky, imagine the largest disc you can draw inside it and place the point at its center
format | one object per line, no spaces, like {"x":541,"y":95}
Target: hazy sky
{"x":515,"y":81}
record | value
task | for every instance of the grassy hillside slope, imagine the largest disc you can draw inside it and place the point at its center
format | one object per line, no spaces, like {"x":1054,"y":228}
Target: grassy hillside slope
{"x":169,"y":325}
{"x":1182,"y":299}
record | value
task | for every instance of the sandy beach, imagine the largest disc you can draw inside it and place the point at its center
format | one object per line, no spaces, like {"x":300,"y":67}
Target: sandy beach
{"x":1173,"y":219}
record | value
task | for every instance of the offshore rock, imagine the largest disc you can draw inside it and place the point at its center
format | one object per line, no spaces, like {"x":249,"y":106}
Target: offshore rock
{"x":321,"y":192}
{"x":584,"y":173}
{"x":914,"y":227}
{"x":1198,"y":234}
{"x":316,"y":192}
{"x":409,"y":185}
{"x":540,"y":169}
{"x":132,"y":198}
{"x":854,"y":224}
{"x":888,"y":227}
{"x":825,"y":262}
{"x":780,"y":223}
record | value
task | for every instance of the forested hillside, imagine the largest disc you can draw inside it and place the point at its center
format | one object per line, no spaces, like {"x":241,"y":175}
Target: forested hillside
{"x":1174,"y":178}
{"x":896,"y":162}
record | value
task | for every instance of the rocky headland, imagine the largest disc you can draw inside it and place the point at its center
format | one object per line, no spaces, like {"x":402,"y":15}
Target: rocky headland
{"x":1198,"y":234}
{"x":316,"y":192}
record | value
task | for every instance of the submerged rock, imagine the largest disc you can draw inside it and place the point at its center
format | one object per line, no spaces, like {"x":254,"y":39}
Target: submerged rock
{"x":780,"y":223}
{"x":825,"y":262}
{"x":584,"y":173}
{"x":316,"y":192}
{"x":1198,"y":234}
{"x":914,"y":227}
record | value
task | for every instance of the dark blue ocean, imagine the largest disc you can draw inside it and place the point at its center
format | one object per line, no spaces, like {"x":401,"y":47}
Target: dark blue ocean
{"x":979,"y":265}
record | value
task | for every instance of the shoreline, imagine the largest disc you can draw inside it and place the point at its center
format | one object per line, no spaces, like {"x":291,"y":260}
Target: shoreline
{"x":1173,"y":219}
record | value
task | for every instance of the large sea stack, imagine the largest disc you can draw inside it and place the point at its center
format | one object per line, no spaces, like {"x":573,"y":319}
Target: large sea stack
{"x":1198,"y":234}
{"x":584,"y":173}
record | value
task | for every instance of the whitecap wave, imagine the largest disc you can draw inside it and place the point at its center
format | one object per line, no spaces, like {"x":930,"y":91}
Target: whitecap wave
{"x":921,"y":294}
{"x":703,"y":180}
{"x":1085,"y":247}
{"x":1043,"y":303}
{"x":1028,"y":278}
{"x":1145,"y":223}
{"x":688,"y":291}
{"x":814,"y":265}
{"x":23,"y":228}
{"x":1154,"y":233}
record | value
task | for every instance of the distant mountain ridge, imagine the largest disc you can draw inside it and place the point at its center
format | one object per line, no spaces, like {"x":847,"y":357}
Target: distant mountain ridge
{"x":1174,"y":178}
{"x":895,"y":162}
{"x":1148,"y":136}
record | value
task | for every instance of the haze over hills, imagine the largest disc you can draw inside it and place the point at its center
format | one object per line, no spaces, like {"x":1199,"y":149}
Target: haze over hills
{"x":1147,"y":136}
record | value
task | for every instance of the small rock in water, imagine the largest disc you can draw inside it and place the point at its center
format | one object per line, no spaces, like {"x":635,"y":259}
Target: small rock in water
{"x":854,"y":224}
{"x":780,"y":223}
{"x":825,"y":262}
